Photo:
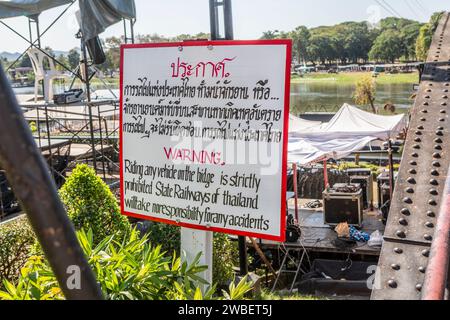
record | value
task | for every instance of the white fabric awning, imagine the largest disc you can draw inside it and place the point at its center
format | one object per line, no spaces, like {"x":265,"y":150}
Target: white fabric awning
{"x":350,"y":130}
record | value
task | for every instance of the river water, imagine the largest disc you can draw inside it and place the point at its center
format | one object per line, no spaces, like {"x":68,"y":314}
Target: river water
{"x":325,"y":96}
{"x":328,"y":96}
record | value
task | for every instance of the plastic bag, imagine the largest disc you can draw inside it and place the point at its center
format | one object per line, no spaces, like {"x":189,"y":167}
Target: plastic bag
{"x":376,"y":239}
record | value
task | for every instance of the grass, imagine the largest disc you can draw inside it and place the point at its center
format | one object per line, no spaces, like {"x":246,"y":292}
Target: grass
{"x":266,"y":295}
{"x":353,"y":77}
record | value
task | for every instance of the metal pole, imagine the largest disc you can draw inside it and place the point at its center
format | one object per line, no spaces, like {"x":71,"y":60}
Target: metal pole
{"x":213,"y":20}
{"x":436,"y":276}
{"x":228,"y":19}
{"x":28,"y":174}
{"x":214,"y":24}
{"x":101,"y":142}
{"x":295,"y":180}
{"x":132,"y":21}
{"x":325,"y":174}
{"x":88,"y":97}
{"x":38,"y":31}
{"x":391,"y":170}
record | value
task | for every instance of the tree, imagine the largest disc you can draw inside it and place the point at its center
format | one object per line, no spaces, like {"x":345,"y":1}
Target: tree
{"x":424,"y":39}
{"x":387,"y":47}
{"x":62,"y":61}
{"x":409,"y":36}
{"x":423,"y":42}
{"x":300,"y":37}
{"x":112,"y":53}
{"x":25,"y":61}
{"x":365,"y":92}
{"x":73,"y":58}
{"x":270,"y":35}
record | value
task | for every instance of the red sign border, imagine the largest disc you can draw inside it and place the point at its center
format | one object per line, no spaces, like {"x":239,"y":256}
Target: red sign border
{"x":285,"y":42}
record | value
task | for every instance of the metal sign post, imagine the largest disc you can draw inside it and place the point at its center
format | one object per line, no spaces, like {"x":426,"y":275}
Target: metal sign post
{"x":229,"y":35}
{"x":194,"y":241}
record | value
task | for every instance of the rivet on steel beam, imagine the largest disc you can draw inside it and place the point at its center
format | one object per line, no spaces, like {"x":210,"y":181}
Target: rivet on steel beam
{"x":392,"y":283}
{"x":434,"y":182}
{"x":440,"y":128}
{"x":432,"y":202}
{"x":401,"y":234}
{"x":422,"y":269}
{"x":418,"y":132}
{"x":420,"y":127}
{"x":437,"y":147}
{"x":418,"y":287}
{"x":411,"y":180}
{"x":433,"y":192}
{"x":417,"y":139}
{"x":405,"y":212}
{"x":414,"y":155}
{"x":443,"y":104}
{"x":438,"y":140}
{"x":416,"y":146}
{"x":427,"y":237}
{"x":441,"y":119}
{"x":395,"y":266}
{"x":426,"y":252}
{"x":439,"y":133}
{"x":403,"y":221}
{"x":423,"y":119}
{"x":429,"y":224}
{"x":398,"y":250}
{"x":431,"y":214}
{"x":412,"y":171}
{"x":436,"y":155}
{"x":424,"y":111}
{"x":436,"y":164}
{"x":434,"y":172}
{"x":409,"y":190}
{"x":407,"y":200}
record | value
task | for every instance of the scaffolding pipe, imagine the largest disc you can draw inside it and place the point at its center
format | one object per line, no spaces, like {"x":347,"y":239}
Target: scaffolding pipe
{"x":436,"y":276}
{"x":29,"y":176}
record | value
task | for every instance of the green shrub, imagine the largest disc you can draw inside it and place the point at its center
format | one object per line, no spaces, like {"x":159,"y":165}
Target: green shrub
{"x":168,"y":236}
{"x":127,"y":269}
{"x":16,"y":240}
{"x":90,"y":204}
{"x":225,"y":254}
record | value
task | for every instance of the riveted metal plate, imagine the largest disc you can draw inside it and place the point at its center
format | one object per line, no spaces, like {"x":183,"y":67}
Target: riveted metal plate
{"x":400,"y":275}
{"x":418,"y":190}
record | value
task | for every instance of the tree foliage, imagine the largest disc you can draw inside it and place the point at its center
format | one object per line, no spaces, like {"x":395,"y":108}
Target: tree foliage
{"x":127,"y":268}
{"x":17,"y":239}
{"x":90,"y":204}
{"x":365,"y":92}
{"x":424,"y":39}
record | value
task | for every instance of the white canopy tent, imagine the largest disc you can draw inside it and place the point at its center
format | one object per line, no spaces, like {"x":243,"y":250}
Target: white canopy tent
{"x":350,"y":130}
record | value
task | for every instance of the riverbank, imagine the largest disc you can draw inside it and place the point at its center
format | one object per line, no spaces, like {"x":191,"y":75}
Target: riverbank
{"x":349,"y":78}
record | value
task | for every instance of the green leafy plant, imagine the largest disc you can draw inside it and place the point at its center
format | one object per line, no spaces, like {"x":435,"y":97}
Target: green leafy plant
{"x":238,"y":292}
{"x":127,"y":268}
{"x":90,"y":204}
{"x":225,"y":256}
{"x":16,"y":240}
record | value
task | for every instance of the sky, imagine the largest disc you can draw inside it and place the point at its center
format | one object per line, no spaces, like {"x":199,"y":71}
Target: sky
{"x":250,"y":18}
